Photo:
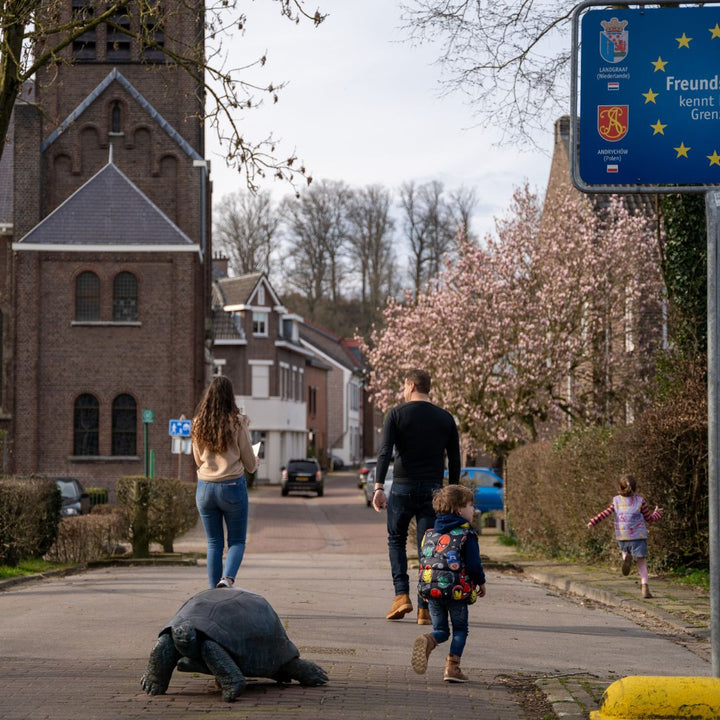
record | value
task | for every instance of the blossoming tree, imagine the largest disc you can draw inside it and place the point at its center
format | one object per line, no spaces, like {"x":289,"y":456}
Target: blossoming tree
{"x":537,"y":322}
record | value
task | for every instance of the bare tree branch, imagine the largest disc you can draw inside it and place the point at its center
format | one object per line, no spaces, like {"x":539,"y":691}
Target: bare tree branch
{"x":510,"y":58}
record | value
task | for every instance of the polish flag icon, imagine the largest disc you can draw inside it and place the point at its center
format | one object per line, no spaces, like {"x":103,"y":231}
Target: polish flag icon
{"x":611,"y":168}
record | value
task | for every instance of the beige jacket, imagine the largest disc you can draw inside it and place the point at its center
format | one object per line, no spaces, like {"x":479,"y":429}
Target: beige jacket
{"x":231,"y":464}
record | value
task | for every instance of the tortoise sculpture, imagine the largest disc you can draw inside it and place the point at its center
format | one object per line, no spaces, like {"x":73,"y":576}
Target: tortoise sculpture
{"x":232,"y":634}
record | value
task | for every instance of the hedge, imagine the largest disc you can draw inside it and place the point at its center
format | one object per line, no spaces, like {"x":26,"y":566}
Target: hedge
{"x":554,"y":488}
{"x":89,"y":537}
{"x":160,"y":509}
{"x":29,"y":517}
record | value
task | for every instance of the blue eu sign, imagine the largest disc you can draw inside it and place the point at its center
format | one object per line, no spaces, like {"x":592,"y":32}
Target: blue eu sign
{"x":650,"y":96}
{"x":180,"y":428}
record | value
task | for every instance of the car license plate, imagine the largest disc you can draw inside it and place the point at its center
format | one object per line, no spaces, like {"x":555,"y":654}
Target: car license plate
{"x":302,"y":478}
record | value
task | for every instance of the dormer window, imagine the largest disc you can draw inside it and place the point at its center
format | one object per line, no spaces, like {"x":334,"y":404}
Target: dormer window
{"x":290,"y":329}
{"x":261,"y":295}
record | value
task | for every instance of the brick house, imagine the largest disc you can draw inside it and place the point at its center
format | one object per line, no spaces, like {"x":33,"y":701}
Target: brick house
{"x":107,"y":248}
{"x":256,"y":344}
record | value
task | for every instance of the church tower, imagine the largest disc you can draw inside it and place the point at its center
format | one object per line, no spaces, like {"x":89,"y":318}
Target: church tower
{"x":112,"y":246}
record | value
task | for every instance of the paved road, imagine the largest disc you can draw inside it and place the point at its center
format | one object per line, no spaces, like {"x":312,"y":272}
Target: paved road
{"x":75,"y":647}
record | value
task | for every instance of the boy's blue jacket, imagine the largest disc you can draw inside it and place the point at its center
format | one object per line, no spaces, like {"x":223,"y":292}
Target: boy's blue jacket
{"x":473,"y":564}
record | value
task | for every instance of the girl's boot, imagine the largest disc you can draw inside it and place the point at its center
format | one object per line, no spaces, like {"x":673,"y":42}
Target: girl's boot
{"x":453,"y":673}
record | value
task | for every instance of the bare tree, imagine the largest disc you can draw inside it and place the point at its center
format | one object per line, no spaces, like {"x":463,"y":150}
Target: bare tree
{"x":429,"y":228}
{"x":245,"y":228}
{"x":415,"y":232}
{"x":439,"y":223}
{"x":370,"y":234}
{"x":511,"y":58}
{"x":463,"y":202}
{"x":36,"y":34}
{"x":317,"y":239}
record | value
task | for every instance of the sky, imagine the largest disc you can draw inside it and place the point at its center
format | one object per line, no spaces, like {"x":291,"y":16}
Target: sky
{"x":364,"y":106}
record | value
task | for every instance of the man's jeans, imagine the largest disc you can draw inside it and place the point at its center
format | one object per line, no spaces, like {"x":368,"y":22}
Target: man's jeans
{"x":218,"y":501}
{"x":405,"y":502}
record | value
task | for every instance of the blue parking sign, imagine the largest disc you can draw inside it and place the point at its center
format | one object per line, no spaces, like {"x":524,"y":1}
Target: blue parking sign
{"x":650,"y":96}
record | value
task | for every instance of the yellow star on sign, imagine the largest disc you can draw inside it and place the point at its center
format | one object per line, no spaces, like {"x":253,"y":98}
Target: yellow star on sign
{"x":714,"y":158}
{"x":659,"y":64}
{"x":681,"y":151}
{"x":683,"y":41}
{"x":658,"y":128}
{"x":714,"y":32}
{"x":650,"y":96}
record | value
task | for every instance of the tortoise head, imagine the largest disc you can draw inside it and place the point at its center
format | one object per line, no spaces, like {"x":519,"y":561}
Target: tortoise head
{"x":186,"y":640}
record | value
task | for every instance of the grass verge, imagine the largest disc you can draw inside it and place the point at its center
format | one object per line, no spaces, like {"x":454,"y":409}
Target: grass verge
{"x":29,"y":567}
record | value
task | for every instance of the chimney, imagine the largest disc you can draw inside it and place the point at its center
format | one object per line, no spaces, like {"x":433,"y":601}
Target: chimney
{"x":220,"y":265}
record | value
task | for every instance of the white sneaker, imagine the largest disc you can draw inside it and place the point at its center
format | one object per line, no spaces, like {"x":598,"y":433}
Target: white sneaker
{"x":225,"y":582}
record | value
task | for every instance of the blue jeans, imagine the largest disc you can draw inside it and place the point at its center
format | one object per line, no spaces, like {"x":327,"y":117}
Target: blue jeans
{"x":228,"y":501}
{"x":458,"y":612}
{"x":407,"y":501}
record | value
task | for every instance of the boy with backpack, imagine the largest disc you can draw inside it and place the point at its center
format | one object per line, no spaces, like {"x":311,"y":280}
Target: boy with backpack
{"x":451,"y":577}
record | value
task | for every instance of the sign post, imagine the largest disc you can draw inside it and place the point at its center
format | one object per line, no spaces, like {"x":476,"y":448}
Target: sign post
{"x":649,"y":122}
{"x":148,"y":416}
{"x":179,"y":431}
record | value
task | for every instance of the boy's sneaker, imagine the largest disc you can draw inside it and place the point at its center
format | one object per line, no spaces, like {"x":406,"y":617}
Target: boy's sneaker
{"x":225,"y":582}
{"x":627,"y":564}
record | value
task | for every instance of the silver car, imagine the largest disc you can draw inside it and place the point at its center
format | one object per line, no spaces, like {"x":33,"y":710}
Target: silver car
{"x":370,"y":484}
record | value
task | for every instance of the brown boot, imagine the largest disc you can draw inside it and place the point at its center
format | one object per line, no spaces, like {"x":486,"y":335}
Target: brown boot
{"x":422,"y":648}
{"x":453,"y":673}
{"x":424,"y":617}
{"x":645,"y":590}
{"x":401,"y":606}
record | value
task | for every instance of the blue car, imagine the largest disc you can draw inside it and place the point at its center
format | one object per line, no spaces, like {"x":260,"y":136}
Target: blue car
{"x":488,"y":487}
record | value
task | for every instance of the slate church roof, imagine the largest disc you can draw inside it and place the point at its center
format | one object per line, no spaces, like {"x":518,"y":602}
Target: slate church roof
{"x":108,"y":211}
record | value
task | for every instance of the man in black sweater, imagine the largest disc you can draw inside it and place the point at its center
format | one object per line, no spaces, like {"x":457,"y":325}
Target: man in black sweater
{"x":422,"y":434}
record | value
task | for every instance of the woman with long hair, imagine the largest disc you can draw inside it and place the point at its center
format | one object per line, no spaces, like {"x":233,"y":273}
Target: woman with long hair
{"x":223,"y":453}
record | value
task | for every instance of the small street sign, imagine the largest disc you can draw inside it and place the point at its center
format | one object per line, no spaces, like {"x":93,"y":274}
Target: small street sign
{"x":148,"y":416}
{"x":180,"y":445}
{"x":179,"y":428}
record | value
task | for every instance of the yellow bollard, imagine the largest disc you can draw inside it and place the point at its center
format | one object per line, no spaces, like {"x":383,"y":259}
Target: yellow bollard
{"x":640,"y":697}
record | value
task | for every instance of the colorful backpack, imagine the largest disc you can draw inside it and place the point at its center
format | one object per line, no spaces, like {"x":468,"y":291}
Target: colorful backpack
{"x":442,"y":572}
